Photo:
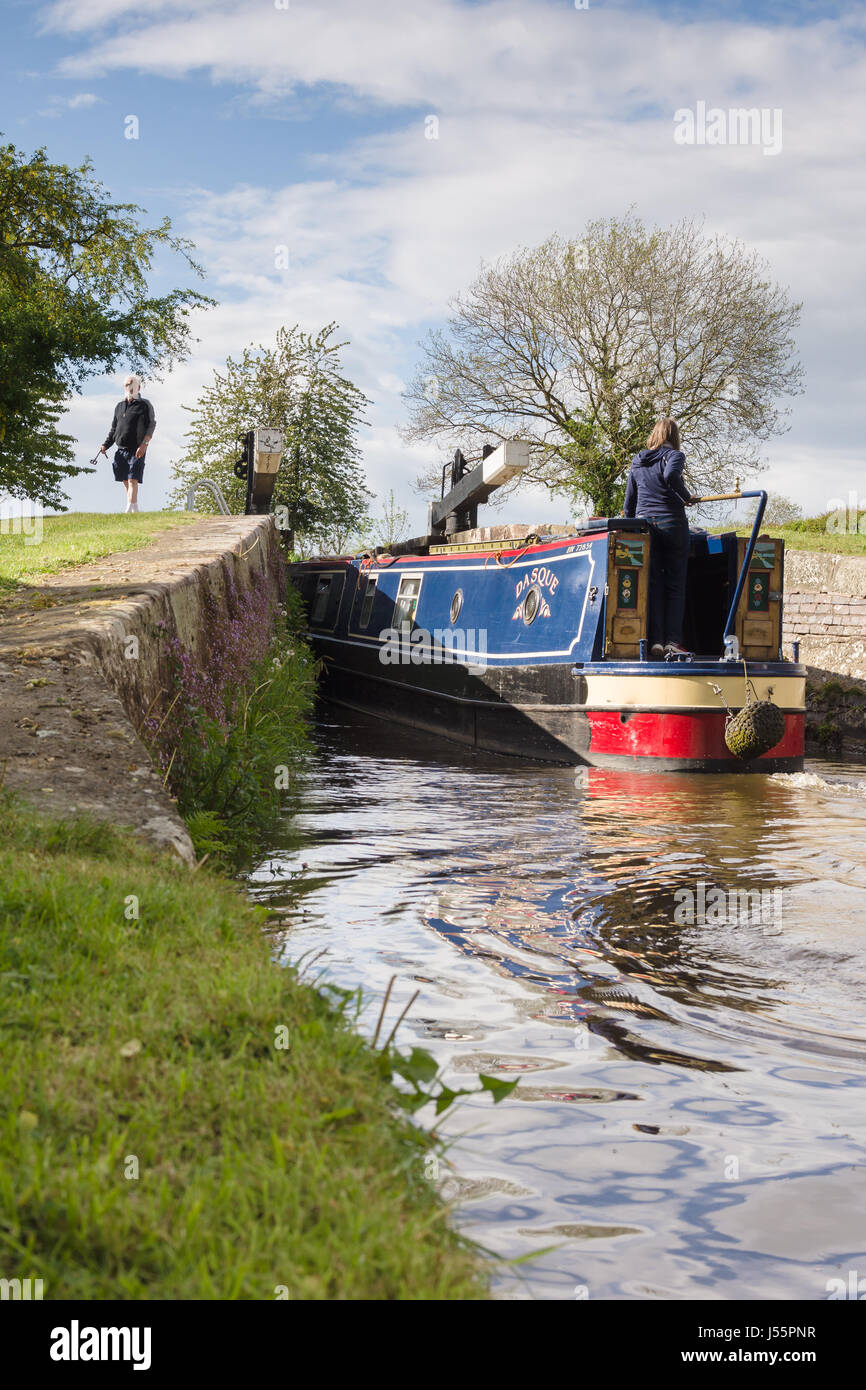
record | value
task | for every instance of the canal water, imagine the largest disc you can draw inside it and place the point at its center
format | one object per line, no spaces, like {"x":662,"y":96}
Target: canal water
{"x":674,"y":967}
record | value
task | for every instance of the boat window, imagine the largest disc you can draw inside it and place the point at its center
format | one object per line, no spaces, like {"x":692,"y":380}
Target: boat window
{"x":320,"y":601}
{"x":456,"y":605}
{"x":531,"y":604}
{"x":407,"y":600}
{"x":369,"y":595}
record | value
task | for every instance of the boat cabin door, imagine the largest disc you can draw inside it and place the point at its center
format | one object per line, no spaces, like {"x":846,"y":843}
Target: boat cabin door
{"x":627,"y":593}
{"x":759,"y":613}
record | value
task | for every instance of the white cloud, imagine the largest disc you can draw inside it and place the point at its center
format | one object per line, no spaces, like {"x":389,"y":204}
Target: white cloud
{"x":58,"y":105}
{"x":548,"y":116}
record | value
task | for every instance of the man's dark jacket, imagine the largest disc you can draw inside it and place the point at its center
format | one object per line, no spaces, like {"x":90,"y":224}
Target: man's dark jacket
{"x":132,"y":421}
{"x":655,"y":485}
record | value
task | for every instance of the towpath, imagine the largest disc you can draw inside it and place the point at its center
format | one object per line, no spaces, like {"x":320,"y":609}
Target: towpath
{"x":66,"y":741}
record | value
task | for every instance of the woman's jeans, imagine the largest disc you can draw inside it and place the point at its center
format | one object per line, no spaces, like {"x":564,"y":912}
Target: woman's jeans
{"x":667,"y":591}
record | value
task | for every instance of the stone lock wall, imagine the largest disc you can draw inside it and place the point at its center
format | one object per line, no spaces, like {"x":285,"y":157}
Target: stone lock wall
{"x":825,"y":611}
{"x":177,"y":606}
{"x":80,"y":671}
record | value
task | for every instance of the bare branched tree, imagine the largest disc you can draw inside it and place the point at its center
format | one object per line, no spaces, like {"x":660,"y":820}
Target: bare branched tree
{"x":577,"y":345}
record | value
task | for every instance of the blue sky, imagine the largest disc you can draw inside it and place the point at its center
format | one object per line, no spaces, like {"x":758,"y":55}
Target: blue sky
{"x":305,"y":125}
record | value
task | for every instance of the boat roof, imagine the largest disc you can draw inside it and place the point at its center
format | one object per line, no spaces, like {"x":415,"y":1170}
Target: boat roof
{"x":487,"y":540}
{"x":498,"y":540}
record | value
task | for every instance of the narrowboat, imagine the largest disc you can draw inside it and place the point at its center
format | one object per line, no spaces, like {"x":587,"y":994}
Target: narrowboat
{"x":535,"y":645}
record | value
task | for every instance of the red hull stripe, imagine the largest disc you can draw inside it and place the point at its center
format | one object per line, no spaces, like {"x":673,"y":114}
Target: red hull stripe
{"x":699,"y":735}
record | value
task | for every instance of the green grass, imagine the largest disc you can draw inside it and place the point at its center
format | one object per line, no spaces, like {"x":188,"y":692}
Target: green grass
{"x":835,"y":543}
{"x":76,"y":538}
{"x":148,"y":1047}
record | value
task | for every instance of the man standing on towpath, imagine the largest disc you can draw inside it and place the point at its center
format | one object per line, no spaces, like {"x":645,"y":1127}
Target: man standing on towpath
{"x":131,"y":430}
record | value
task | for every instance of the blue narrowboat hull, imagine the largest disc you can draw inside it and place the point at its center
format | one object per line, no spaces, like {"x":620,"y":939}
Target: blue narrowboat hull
{"x":518,"y":650}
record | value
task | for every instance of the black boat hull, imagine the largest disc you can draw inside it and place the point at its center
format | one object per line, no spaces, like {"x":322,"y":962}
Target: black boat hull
{"x":525,"y":713}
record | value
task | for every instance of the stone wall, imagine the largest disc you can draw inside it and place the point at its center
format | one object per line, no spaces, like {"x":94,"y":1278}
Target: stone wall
{"x":82,"y":661}
{"x":237,"y":551}
{"x":825,"y":611}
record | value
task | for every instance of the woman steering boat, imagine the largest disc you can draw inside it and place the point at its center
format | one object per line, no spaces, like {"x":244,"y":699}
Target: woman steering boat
{"x":656,"y":491}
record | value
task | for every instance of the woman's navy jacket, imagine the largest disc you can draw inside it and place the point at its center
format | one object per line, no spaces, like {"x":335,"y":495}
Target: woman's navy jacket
{"x":655,"y":486}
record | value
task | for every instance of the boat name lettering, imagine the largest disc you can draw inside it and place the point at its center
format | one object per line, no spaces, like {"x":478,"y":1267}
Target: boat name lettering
{"x":540,"y":575}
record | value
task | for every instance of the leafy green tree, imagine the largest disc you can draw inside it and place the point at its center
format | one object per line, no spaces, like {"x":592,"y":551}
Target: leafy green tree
{"x":391,"y":526}
{"x":74,"y":302}
{"x":779,"y":511}
{"x":597,"y":455}
{"x":296,"y":386}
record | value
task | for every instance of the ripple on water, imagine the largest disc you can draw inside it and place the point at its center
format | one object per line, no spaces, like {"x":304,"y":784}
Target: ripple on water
{"x":703,"y":1124}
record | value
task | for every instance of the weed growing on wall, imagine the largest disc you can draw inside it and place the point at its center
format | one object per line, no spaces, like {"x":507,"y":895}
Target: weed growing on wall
{"x":232,"y":738}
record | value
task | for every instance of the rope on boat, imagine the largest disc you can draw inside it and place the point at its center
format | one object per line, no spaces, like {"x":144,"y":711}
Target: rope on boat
{"x":528,"y":541}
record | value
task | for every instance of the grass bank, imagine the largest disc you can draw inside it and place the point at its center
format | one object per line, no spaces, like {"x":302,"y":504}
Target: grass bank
{"x":182,"y":1119}
{"x":796,"y":538}
{"x":53,"y":543}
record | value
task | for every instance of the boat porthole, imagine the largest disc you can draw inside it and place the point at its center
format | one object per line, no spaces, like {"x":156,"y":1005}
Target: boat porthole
{"x":456,"y":605}
{"x":531,"y":604}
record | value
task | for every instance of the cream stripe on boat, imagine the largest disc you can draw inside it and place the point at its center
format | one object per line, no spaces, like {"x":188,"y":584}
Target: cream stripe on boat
{"x":617,"y":691}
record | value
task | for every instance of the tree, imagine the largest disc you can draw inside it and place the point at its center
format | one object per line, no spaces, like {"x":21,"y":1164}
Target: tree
{"x":597,"y":457}
{"x":296,"y":386}
{"x":391,"y":526}
{"x":577,"y":345}
{"x":369,"y":532}
{"x":781,"y":510}
{"x":74,"y":302}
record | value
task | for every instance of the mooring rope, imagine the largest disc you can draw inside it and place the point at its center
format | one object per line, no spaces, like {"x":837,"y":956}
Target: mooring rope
{"x":528,"y":542}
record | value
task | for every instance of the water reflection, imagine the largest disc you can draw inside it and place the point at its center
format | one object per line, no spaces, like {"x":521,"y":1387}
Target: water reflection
{"x":683,"y":1066}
